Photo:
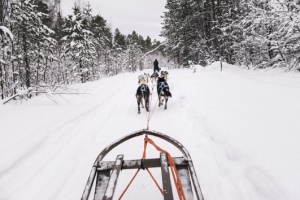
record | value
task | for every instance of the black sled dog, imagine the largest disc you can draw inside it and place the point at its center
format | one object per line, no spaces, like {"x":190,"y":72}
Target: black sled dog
{"x":142,"y":92}
{"x":163,"y":91}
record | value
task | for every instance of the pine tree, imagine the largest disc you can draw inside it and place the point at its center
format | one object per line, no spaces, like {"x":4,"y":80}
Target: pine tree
{"x":133,"y":53}
{"x":103,"y":37}
{"x":119,"y":39}
{"x":58,"y":27}
{"x":33,"y":40}
{"x":42,"y":7}
{"x":4,"y":11}
{"x":148,"y":43}
{"x":79,"y":45}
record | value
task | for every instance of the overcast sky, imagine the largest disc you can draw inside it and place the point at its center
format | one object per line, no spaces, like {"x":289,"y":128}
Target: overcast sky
{"x":143,"y":16}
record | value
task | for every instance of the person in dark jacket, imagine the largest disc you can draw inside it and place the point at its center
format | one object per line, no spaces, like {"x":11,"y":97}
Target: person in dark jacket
{"x":156,"y":68}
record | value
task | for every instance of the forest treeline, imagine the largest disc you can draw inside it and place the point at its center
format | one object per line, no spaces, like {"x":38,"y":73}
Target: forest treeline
{"x":41,"y":48}
{"x":255,"y":33}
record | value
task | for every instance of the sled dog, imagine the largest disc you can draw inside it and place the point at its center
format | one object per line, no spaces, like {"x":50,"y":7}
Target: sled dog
{"x":142,"y":92}
{"x":163,"y":91}
{"x":143,"y":79}
{"x":165,"y":74}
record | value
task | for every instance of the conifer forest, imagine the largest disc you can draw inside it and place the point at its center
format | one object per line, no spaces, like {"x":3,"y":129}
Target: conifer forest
{"x":42,"y":49}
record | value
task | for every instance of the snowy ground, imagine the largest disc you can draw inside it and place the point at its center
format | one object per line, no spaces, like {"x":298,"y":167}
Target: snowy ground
{"x":240,"y":126}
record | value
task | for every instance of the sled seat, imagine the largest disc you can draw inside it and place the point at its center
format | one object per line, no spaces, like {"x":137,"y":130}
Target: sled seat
{"x":108,"y":173}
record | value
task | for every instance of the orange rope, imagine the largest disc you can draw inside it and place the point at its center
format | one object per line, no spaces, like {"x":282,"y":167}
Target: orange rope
{"x":171,"y":161}
{"x":161,"y":191}
{"x":144,"y":153}
{"x":147,"y":116}
{"x":129,"y":184}
{"x":151,"y":113}
{"x":173,"y":169}
{"x":143,"y":157}
{"x":145,"y":104}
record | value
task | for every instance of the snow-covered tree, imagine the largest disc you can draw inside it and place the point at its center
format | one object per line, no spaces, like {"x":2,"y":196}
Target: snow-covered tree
{"x":6,"y":38}
{"x":49,"y":49}
{"x":268,"y":35}
{"x":33,"y":42}
{"x":79,"y":46}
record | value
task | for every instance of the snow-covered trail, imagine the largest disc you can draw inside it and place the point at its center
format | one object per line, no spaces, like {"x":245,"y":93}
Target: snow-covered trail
{"x":239,"y":126}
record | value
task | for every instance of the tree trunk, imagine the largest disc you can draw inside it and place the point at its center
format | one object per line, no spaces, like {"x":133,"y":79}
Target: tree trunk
{"x":80,"y":67}
{"x":45,"y":71}
{"x":25,"y":54}
{"x":213,"y":12}
{"x":13,"y":67}
{"x":38,"y":66}
{"x":1,"y":11}
{"x":1,"y":82}
{"x":26,"y":60}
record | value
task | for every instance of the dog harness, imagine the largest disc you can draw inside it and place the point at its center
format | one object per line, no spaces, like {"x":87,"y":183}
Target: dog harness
{"x":154,"y":75}
{"x":143,"y":88}
{"x":163,"y":85}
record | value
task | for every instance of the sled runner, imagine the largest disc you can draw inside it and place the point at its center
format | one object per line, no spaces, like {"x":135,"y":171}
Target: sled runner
{"x":181,"y":168}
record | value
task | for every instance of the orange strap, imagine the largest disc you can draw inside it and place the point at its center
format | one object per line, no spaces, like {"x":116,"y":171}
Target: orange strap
{"x":143,"y":157}
{"x":149,"y":115}
{"x":129,"y":184}
{"x":174,"y":171}
{"x":161,"y":191}
{"x":175,"y":174}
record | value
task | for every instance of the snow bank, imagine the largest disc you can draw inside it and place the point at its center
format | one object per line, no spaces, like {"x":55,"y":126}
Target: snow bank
{"x":240,"y":127}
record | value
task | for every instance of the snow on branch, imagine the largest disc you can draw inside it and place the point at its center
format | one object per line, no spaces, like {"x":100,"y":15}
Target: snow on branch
{"x":47,"y":90}
{"x":6,"y":32}
{"x":161,"y":44}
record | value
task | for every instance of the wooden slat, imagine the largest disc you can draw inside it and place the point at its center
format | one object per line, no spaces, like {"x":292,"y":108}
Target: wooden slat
{"x":112,"y":183}
{"x":135,"y":164}
{"x":89,"y":184}
{"x":101,"y":184}
{"x":184,"y":176}
{"x":167,"y":188}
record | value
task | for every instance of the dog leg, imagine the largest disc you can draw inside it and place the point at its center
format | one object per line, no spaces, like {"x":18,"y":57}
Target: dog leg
{"x":142,"y":103}
{"x":147,"y":103}
{"x":166,"y":103}
{"x":162,"y":100}
{"x":138,"y":98}
{"x":159,"y":100}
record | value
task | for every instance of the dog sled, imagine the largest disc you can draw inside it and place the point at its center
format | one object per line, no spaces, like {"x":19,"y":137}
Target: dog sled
{"x":105,"y":173}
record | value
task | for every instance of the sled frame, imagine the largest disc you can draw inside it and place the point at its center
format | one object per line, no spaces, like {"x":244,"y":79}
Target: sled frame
{"x":107,"y":172}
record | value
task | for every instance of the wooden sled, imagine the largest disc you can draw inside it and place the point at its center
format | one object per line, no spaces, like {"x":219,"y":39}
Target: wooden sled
{"x":108,"y":171}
